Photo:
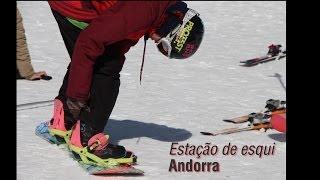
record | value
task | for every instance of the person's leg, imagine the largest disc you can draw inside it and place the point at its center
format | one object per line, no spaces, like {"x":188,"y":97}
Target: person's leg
{"x":63,"y":120}
{"x":103,"y":94}
{"x":88,"y":130}
{"x":69,"y":34}
{"x":68,"y":31}
{"x":23,"y":60}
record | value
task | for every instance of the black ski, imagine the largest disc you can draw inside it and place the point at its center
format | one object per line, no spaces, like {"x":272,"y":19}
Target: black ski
{"x":264,"y":59}
{"x":274,"y":53}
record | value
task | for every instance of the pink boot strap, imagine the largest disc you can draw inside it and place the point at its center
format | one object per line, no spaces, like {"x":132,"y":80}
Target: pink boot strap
{"x":58,"y":116}
{"x":98,"y":141}
{"x":75,"y":136}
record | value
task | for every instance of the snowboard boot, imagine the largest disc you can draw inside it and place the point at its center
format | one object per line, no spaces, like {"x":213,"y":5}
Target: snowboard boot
{"x":94,"y":149}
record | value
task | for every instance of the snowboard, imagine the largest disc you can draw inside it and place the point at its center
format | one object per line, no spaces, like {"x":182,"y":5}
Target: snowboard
{"x":117,"y":168}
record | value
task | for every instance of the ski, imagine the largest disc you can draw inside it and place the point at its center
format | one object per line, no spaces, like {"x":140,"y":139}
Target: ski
{"x":274,"y":53}
{"x":257,"y":61}
{"x":272,"y":107}
{"x":251,"y":127}
{"x":246,"y":118}
{"x":257,"y":121}
{"x":121,"y":166}
{"x":237,"y":120}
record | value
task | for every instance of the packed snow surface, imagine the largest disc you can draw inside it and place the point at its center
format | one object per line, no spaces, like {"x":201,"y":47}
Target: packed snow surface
{"x":176,"y":100}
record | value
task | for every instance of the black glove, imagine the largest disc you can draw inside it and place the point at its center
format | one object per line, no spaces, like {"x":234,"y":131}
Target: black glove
{"x":75,"y":107}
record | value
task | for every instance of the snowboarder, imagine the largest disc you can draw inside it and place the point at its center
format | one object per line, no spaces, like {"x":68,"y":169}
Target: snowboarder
{"x":97,"y":35}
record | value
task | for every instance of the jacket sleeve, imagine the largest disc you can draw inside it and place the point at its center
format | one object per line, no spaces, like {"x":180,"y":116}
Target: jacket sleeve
{"x":111,"y":26}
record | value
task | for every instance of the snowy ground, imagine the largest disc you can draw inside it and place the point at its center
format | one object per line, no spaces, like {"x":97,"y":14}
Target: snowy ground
{"x":177,"y":99}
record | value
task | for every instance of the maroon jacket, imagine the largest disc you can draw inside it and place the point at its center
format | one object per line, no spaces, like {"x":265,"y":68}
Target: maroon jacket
{"x":125,"y":20}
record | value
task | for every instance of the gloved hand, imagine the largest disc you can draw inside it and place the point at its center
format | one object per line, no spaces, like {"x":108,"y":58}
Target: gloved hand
{"x":75,"y":107}
{"x":36,"y":76}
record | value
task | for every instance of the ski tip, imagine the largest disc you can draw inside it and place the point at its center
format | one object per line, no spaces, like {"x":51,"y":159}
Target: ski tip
{"x":252,"y":64}
{"x":228,"y":120}
{"x":234,"y":121}
{"x":247,"y":65}
{"x":206,"y":133}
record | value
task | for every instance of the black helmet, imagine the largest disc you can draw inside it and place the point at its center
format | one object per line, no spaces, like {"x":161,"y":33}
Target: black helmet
{"x":184,"y":39}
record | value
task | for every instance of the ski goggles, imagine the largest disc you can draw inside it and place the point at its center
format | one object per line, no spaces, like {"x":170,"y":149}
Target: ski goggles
{"x":164,"y":44}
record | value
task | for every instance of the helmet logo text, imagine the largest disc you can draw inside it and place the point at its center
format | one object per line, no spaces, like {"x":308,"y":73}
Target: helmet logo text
{"x":182,"y":37}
